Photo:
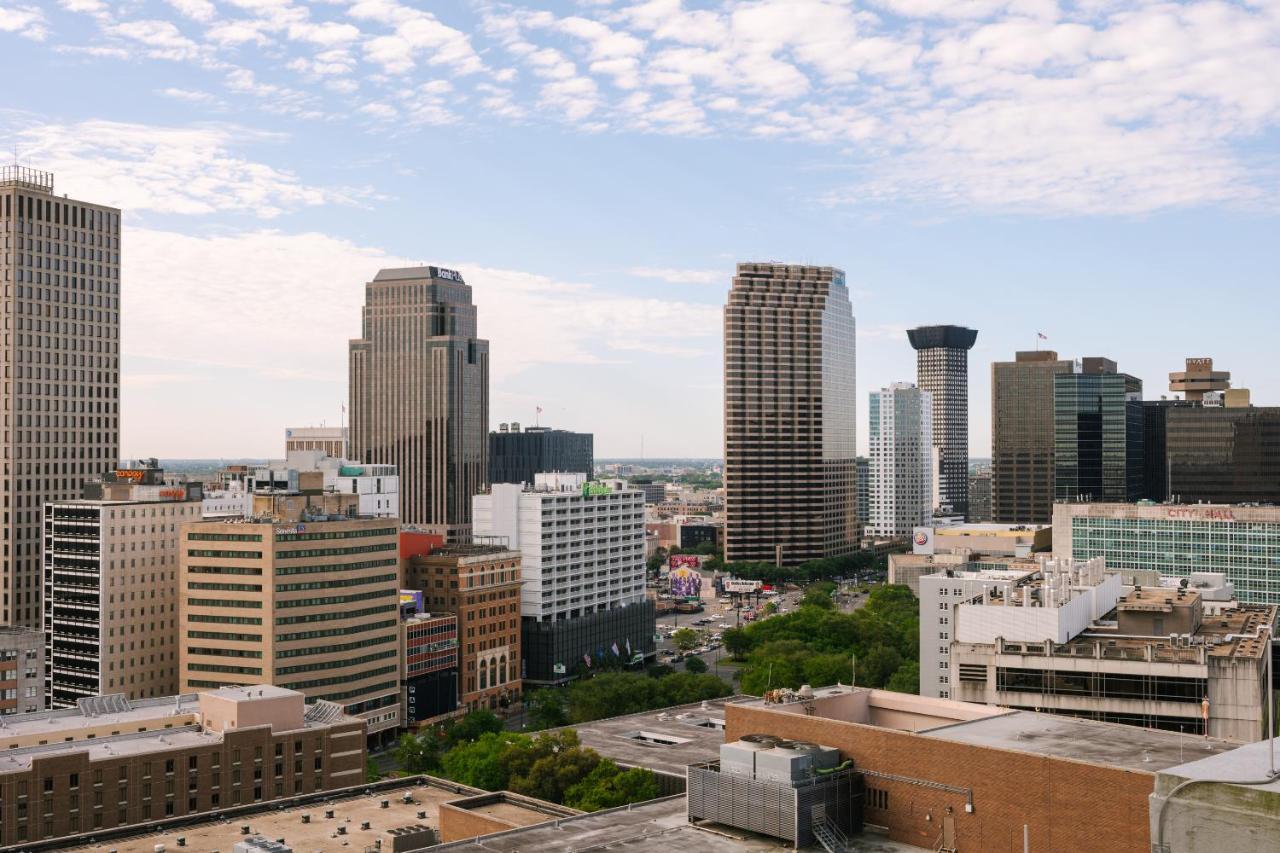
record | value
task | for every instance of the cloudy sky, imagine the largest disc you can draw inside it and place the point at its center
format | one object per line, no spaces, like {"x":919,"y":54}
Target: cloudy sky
{"x":1106,"y":172}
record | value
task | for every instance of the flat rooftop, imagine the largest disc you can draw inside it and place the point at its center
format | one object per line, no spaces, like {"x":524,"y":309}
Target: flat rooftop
{"x":658,"y":825}
{"x":981,"y":529}
{"x":98,"y":712}
{"x":219,"y":830}
{"x":665,"y":740}
{"x":1109,"y":744}
{"x":1245,"y":763}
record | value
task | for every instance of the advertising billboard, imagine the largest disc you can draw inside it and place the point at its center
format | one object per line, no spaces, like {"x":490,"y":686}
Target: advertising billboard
{"x":922,"y":540}
{"x":741,"y":586}
{"x":686,"y":582}
{"x":411,"y":598}
{"x":678,"y":561}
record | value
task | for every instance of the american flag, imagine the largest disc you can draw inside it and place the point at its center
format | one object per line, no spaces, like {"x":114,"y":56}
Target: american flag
{"x":1042,"y":336}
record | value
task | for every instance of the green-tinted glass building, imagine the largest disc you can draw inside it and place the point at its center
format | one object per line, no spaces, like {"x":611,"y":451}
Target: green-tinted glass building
{"x":1097,"y":434}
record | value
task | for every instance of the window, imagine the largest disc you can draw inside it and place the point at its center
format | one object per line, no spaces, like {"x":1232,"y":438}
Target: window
{"x":877,"y":799}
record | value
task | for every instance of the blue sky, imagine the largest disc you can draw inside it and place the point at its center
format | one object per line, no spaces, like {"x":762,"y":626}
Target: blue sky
{"x":1104,"y":172}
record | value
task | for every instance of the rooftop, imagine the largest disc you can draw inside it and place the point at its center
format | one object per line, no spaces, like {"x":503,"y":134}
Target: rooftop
{"x":666,"y":740}
{"x":218,"y":831}
{"x":1244,"y":763}
{"x":983,"y":529}
{"x":99,"y":711}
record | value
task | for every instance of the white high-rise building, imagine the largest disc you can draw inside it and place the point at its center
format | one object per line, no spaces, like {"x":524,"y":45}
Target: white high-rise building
{"x":582,"y":568}
{"x":901,"y":466}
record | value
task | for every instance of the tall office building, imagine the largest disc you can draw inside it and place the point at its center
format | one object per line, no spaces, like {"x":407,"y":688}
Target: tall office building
{"x":574,"y":600}
{"x":1097,"y":414}
{"x":420,"y":394}
{"x":111,"y":586}
{"x":1022,"y":436}
{"x":862,"y":492}
{"x":901,"y":444}
{"x":61,"y":395}
{"x":942,"y":369}
{"x":790,"y":415}
{"x":1155,"y":454}
{"x":518,"y":457}
{"x":1223,"y":453}
{"x":979,"y":496}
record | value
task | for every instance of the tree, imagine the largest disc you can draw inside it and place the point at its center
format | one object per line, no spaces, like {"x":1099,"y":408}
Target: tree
{"x":608,"y":786}
{"x":546,"y":708}
{"x":371,"y":771}
{"x":737,"y":642}
{"x":418,"y":753}
{"x":472,"y":726}
{"x":906,"y":679}
{"x":818,"y":596}
{"x":481,"y":763}
{"x":695,"y":665}
{"x":552,"y":775}
{"x":685,"y":639}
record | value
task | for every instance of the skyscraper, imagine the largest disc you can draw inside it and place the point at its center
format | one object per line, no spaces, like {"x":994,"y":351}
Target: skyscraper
{"x":518,"y":457}
{"x":942,"y":369}
{"x":1097,"y":414}
{"x":61,"y":395}
{"x":1022,"y":449}
{"x":790,"y":414}
{"x":420,"y":393}
{"x":901,"y":445}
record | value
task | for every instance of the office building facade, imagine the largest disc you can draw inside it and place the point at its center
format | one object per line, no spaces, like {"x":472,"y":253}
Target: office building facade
{"x":980,"y":496}
{"x":330,"y":441}
{"x":303,"y":595}
{"x":902,"y":454}
{"x":61,"y":402}
{"x":1223,"y":454}
{"x":429,"y":679}
{"x":516,"y":456}
{"x":1022,"y":436}
{"x":1098,"y":434}
{"x":419,"y":386}
{"x":1198,"y":379}
{"x":111,"y":586}
{"x":942,"y":369}
{"x":22,"y":686}
{"x":1174,"y":540}
{"x":480,"y":585}
{"x":582,"y":567}
{"x":790,"y":415}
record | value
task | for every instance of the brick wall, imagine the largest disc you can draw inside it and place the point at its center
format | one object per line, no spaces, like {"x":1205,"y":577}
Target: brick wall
{"x":457,"y":824}
{"x":1068,"y":805}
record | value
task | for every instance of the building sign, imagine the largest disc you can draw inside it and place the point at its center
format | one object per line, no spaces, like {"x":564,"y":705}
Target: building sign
{"x":130,"y":475}
{"x":922,"y":540}
{"x":449,"y":275}
{"x":741,"y":586}
{"x":291,"y":529}
{"x":1201,"y":513}
{"x":173,"y":494}
{"x":685,"y":561}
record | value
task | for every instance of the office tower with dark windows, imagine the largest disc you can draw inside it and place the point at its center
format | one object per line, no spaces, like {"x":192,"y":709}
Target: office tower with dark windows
{"x":942,"y":370}
{"x":419,"y":390}
{"x":790,"y":415}
{"x":979,"y":496}
{"x":1022,"y":436}
{"x":902,"y":450}
{"x":1225,"y":454}
{"x":1097,"y":415}
{"x":61,"y":396}
{"x":862,"y":492}
{"x":517,"y":456}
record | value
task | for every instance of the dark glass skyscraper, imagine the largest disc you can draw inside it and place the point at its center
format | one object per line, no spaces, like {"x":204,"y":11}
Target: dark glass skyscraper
{"x":790,"y":420}
{"x":1097,"y":415}
{"x":1022,"y":442}
{"x":515,"y":456}
{"x":942,"y":369}
{"x":1224,"y":455}
{"x":420,"y":393}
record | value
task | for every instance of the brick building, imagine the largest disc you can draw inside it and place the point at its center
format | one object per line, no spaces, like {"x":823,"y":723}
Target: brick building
{"x":480,"y":584}
{"x":112,"y":762}
{"x":21,"y":670}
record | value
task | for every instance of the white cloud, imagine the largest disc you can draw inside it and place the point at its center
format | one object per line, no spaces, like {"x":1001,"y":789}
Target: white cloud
{"x":682,"y":276}
{"x":26,"y":21}
{"x":161,"y":39}
{"x":187,"y":170}
{"x":414,"y":33}
{"x":192,"y":96}
{"x":196,"y":10}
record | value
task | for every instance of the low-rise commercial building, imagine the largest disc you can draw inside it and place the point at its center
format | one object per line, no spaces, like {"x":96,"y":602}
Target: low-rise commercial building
{"x":112,"y":762}
{"x":480,"y":585}
{"x":110,"y":602}
{"x":304,"y":595}
{"x":1001,"y":540}
{"x":1174,"y":540}
{"x":429,"y":680}
{"x":330,"y":441}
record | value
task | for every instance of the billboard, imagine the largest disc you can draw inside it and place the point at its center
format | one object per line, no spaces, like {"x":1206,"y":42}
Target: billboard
{"x":686,"y":582}
{"x":732,"y":585}
{"x":411,"y":597}
{"x":677,"y":561}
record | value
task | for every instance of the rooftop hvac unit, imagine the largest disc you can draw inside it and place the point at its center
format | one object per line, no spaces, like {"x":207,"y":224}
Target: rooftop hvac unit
{"x":739,"y":758}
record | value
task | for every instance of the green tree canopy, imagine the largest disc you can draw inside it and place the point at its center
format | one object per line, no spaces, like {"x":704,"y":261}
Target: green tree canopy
{"x":685,"y":639}
{"x":608,"y":786}
{"x":695,"y":664}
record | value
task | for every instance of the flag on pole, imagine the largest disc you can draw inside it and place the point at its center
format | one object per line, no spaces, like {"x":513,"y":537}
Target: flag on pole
{"x":614,"y":649}
{"x":1042,"y":336}
{"x":587,"y":658}
{"x":628,"y":646}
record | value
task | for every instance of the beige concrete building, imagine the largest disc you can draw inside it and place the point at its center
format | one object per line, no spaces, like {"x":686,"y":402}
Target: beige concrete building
{"x":302,"y":595}
{"x":420,"y":394}
{"x":60,"y":270}
{"x":110,"y":763}
{"x":1199,"y":378}
{"x":331,"y":441}
{"x":789,"y":415}
{"x":111,"y":586}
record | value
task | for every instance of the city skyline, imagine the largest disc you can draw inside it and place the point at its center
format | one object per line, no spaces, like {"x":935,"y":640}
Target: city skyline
{"x":266,"y":169}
